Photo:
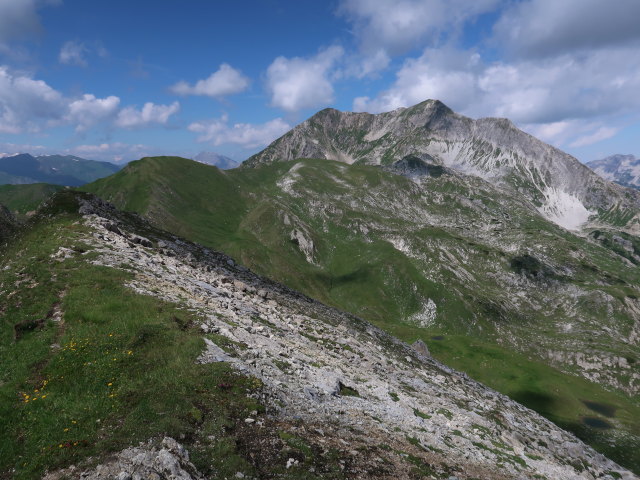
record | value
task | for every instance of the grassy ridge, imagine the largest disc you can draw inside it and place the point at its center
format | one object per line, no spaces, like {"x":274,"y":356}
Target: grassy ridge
{"x":90,"y":367}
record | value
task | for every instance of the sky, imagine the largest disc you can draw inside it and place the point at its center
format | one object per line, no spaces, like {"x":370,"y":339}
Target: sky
{"x":118,"y":80}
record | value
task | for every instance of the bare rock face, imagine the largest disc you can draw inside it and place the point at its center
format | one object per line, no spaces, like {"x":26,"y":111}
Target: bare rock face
{"x":562,"y":189}
{"x":169,"y":460}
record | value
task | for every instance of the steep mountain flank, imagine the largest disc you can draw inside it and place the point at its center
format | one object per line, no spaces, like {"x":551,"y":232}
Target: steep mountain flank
{"x":257,"y":381}
{"x":622,"y":169}
{"x":561,"y":188}
{"x":425,"y":252}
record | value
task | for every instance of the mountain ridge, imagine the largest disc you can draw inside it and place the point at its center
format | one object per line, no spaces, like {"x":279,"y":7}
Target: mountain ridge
{"x":558,"y":185}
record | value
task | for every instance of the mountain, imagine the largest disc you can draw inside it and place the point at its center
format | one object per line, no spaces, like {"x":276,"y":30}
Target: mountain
{"x":561,"y":188}
{"x":217,"y":160}
{"x":546,"y":316}
{"x":55,"y":169}
{"x":622,"y":169}
{"x":129,"y":352}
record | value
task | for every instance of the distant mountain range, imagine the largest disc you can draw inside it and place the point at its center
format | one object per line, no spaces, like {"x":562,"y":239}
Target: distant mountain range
{"x":217,"y":160}
{"x":66,"y":170}
{"x":622,"y":169}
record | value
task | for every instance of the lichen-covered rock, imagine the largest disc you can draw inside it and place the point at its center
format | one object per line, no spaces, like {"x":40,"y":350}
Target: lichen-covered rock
{"x":167,"y":461}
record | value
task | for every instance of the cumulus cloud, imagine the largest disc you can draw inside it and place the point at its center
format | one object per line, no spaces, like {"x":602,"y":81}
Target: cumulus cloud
{"x":297,"y":83}
{"x":26,"y":104}
{"x":225,"y":81}
{"x":130,"y":117}
{"x":88,"y":111}
{"x":395,"y":26}
{"x":385,"y":28}
{"x":29,"y":105}
{"x":218,"y":132}
{"x":73,"y":53}
{"x":549,"y":27}
{"x":447,"y":75}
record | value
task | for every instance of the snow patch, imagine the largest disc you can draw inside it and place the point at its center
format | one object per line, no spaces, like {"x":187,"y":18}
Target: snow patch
{"x":564,"y":209}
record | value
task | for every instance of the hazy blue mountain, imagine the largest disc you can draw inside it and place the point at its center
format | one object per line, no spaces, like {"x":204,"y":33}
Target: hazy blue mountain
{"x":622,"y":169}
{"x":217,"y":160}
{"x":67,"y":170}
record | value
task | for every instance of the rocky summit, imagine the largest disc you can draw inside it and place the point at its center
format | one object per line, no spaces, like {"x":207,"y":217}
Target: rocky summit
{"x":333,"y":386}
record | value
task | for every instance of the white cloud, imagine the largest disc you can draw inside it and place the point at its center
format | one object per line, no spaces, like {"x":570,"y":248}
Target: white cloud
{"x":27,"y":104}
{"x":602,"y":133}
{"x":446,"y":75}
{"x":297,"y":83}
{"x":73,"y":53}
{"x":219,"y":132}
{"x":549,"y":27}
{"x":225,"y":81}
{"x":113,"y":152}
{"x":88,"y":111}
{"x":150,"y":113}
{"x":531,"y":91}
{"x":398,"y":25}
{"x":13,"y":148}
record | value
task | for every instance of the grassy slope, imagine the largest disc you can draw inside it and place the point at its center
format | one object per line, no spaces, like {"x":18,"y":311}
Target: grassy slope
{"x":21,"y":199}
{"x":120,"y":368}
{"x":242,"y":212}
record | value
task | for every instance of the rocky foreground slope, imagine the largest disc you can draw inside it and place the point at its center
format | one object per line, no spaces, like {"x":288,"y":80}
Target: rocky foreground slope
{"x":387,"y":410}
{"x":428,"y":253}
{"x":561,"y":188}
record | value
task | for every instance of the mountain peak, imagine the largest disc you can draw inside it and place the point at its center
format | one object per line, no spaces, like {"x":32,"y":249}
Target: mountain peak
{"x":494,"y":149}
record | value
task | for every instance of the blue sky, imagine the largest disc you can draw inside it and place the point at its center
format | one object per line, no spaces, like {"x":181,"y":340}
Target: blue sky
{"x":117,"y":80}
